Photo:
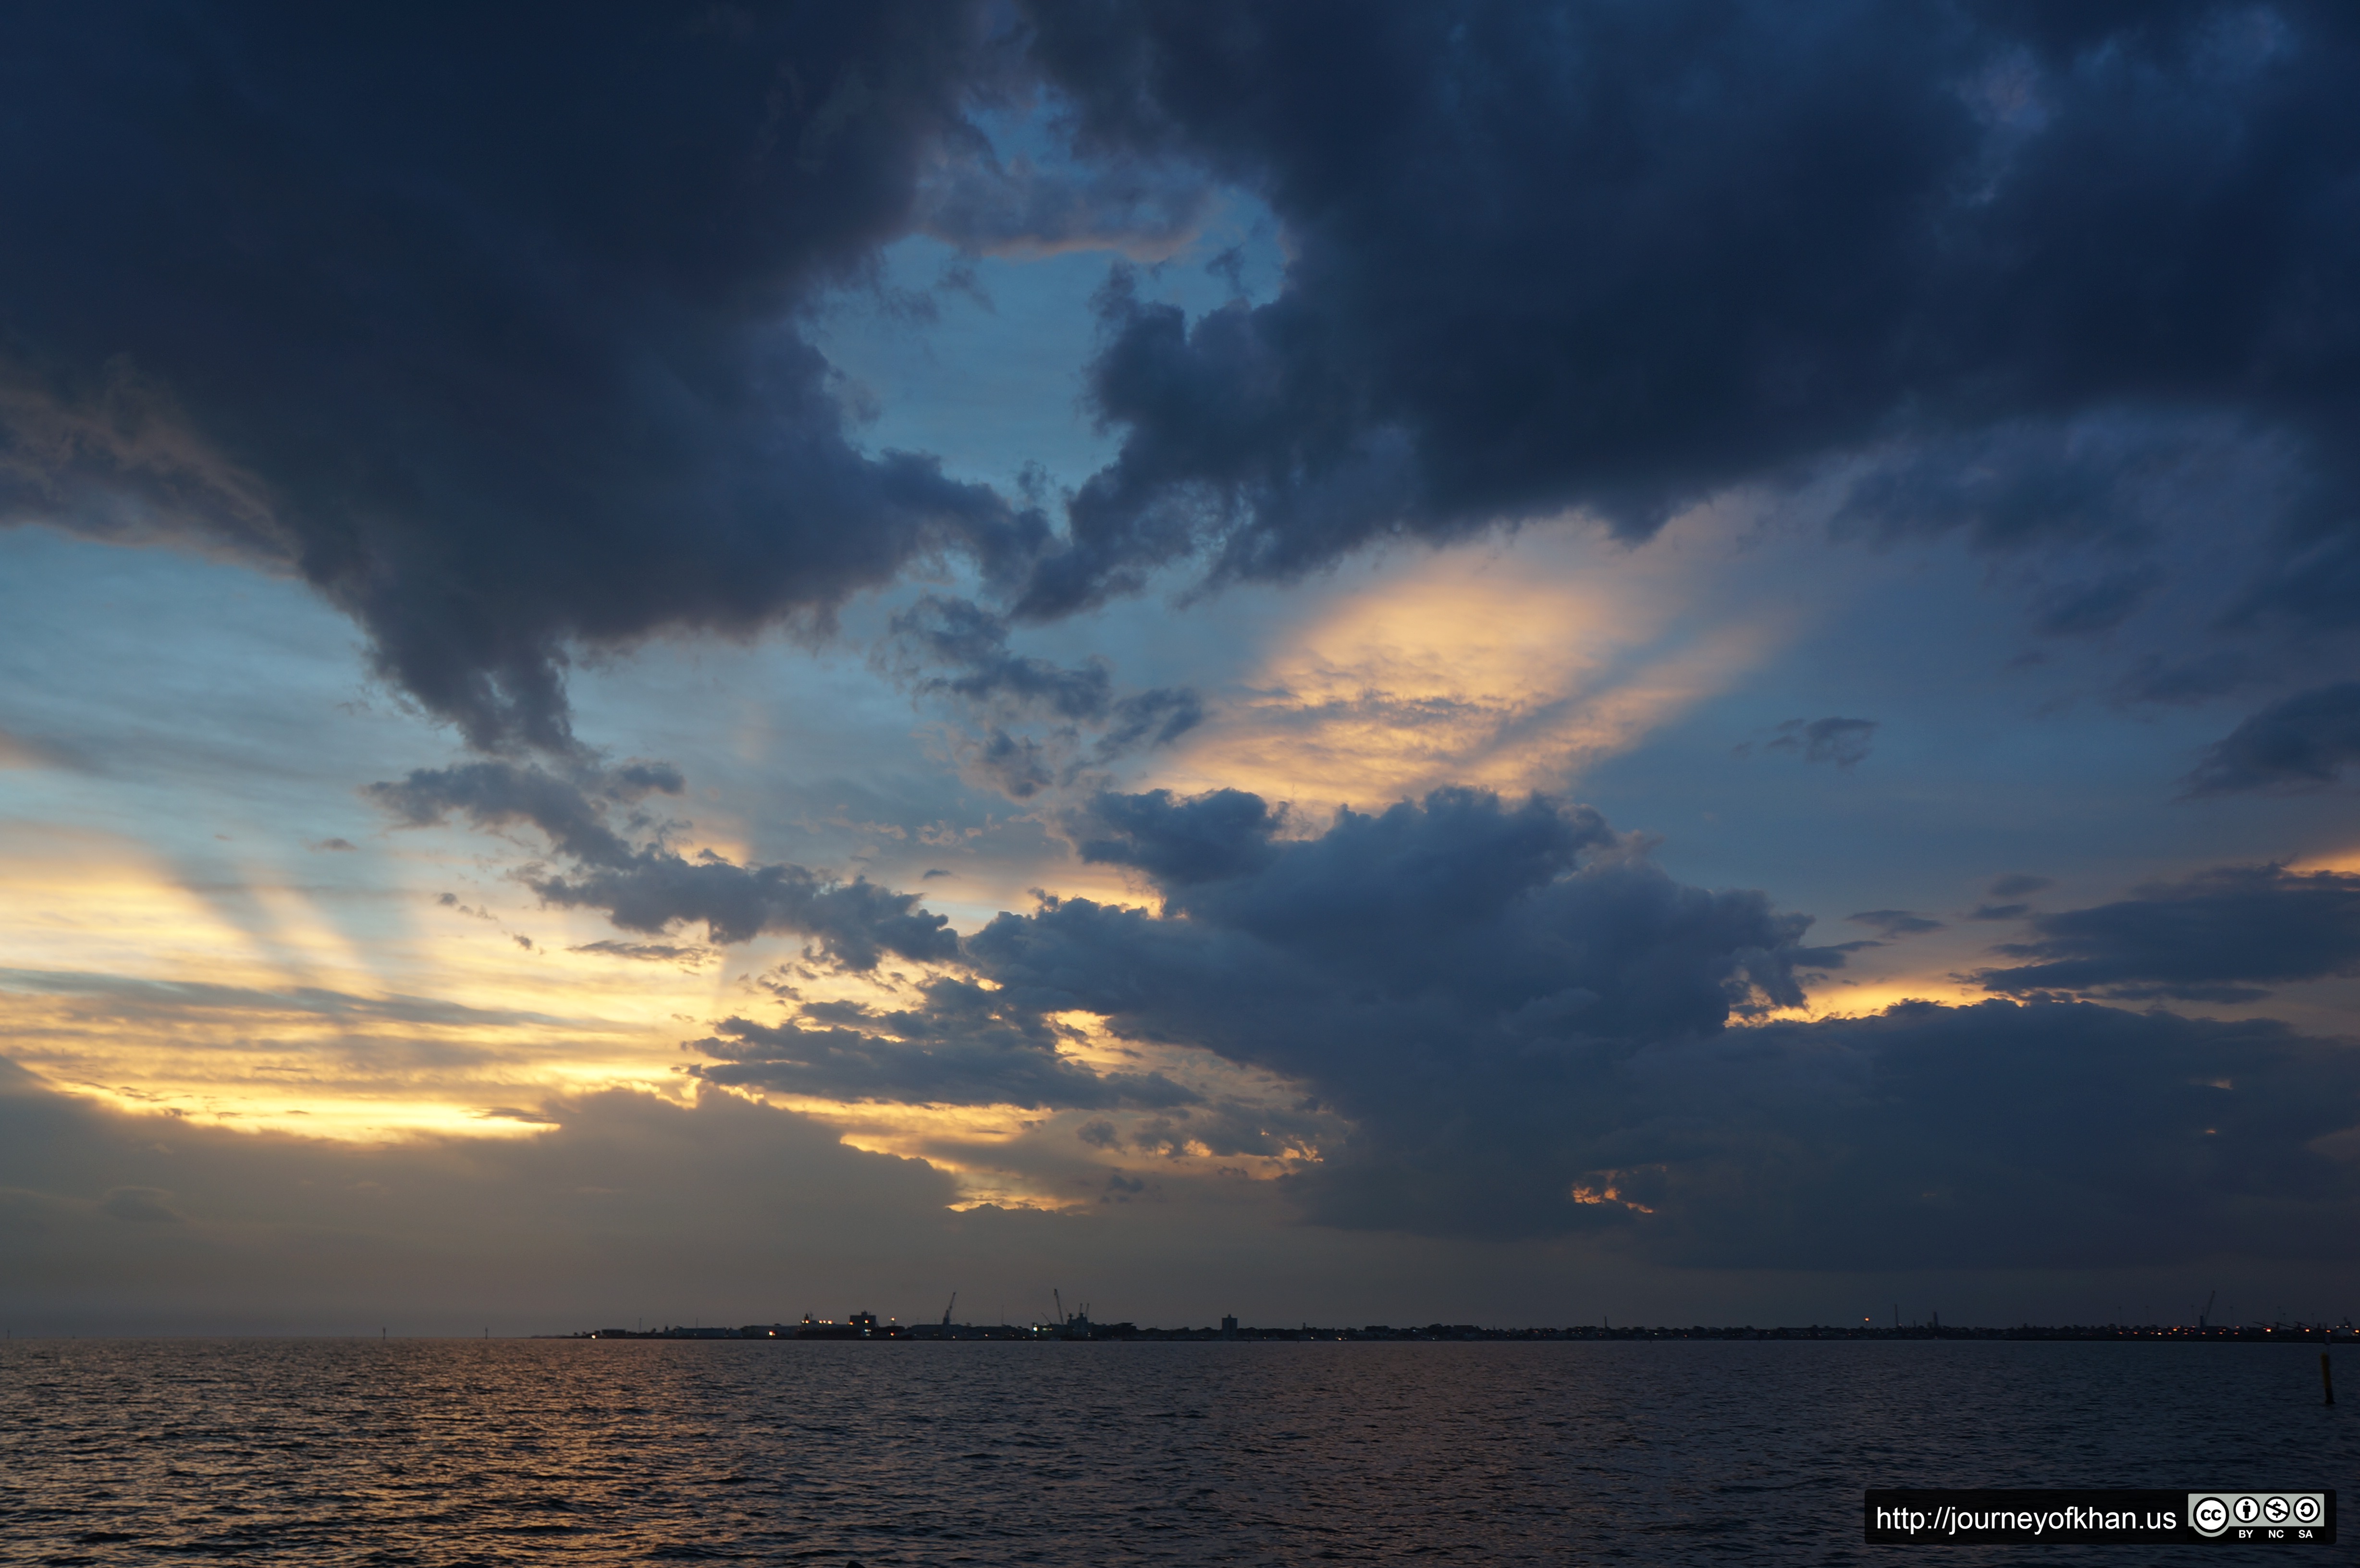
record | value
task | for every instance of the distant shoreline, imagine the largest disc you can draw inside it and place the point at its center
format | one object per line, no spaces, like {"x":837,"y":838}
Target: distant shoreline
{"x":2273,"y":1333}
{"x":2315,"y":1335}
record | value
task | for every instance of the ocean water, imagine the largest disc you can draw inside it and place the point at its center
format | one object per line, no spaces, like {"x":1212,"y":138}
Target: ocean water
{"x":431,"y":1452}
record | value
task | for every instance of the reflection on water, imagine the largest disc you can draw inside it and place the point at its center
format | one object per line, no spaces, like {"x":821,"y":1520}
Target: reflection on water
{"x":447,"y":1452}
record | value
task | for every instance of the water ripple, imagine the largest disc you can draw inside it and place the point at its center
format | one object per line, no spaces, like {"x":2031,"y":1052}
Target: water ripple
{"x":418,"y":1453}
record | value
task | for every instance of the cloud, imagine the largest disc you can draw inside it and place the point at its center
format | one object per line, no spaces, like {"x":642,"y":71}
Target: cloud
{"x":2217,"y":936}
{"x":492,"y":340}
{"x":1895,"y":922}
{"x":2000,"y":911}
{"x":856,"y":923}
{"x":1444,"y":972}
{"x":2186,"y":682}
{"x":2016,"y":884}
{"x":451,"y":335}
{"x":648,"y":888}
{"x":21,"y":751}
{"x":131,"y":998}
{"x":647,"y":951}
{"x":1152,"y":718}
{"x":141,"y":1205}
{"x":1525,"y":1028}
{"x":1843,"y":742}
{"x":2315,"y":581}
{"x":1180,"y":842}
{"x":1005,"y":689}
{"x":2085,"y":609}
{"x":517,"y":1113}
{"x":2303,"y":741}
{"x":506,"y":409}
{"x":569,"y":809}
{"x":1516,"y":669}
{"x":1026,"y":206}
{"x":1453,"y":978}
{"x":940,"y":631}
{"x":622,"y":1202}
{"x":2111,"y":480}
{"x":1995,"y":1136}
{"x":1018,"y":766}
{"x":1534,"y":267}
{"x":962,"y":1046}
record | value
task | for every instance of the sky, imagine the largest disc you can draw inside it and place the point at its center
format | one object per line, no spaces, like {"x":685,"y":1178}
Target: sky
{"x":1502,"y":663}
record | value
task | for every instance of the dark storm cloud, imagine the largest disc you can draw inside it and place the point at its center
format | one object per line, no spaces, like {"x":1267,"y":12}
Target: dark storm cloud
{"x":1618,"y":255}
{"x":1180,"y":842}
{"x":1525,"y":1028}
{"x":2216,"y":936}
{"x":1843,"y":742}
{"x":486,"y":330}
{"x":491,"y":334}
{"x":648,"y":888}
{"x":1990,"y":1136}
{"x":962,"y":1046}
{"x":2303,"y":741}
{"x":1446,"y":974}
